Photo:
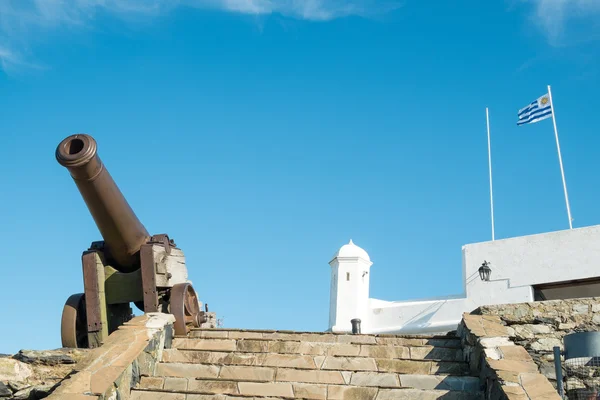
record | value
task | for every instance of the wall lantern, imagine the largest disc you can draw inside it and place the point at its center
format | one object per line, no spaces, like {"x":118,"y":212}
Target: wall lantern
{"x":485,"y":271}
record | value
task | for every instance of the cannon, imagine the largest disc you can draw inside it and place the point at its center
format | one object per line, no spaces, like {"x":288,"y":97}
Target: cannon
{"x":128,"y":266}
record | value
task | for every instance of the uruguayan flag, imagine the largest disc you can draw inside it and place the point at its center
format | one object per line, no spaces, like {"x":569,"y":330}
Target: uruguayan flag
{"x":539,"y":110}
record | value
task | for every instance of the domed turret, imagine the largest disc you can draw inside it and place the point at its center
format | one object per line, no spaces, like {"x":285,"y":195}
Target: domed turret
{"x":351,"y":250}
{"x":349,"y":293}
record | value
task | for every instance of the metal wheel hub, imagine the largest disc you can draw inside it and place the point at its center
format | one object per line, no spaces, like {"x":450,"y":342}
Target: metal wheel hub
{"x":185,"y":307}
{"x":73,"y":327}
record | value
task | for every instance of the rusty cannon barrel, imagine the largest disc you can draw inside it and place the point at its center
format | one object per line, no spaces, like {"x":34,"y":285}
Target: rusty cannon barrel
{"x":122,"y":231}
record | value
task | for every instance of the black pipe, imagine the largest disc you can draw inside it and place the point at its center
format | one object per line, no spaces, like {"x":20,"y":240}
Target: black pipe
{"x":355,"y":326}
{"x":559,"y":375}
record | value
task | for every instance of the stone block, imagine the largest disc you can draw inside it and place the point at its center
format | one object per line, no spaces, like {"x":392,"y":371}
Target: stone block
{"x":508,"y":377}
{"x":415,"y":394}
{"x":350,"y":363}
{"x":315,"y":349}
{"x":142,"y":395}
{"x":176,"y":384}
{"x":347,"y":375}
{"x":492,"y":326}
{"x":210,"y":334}
{"x":403,"y":366}
{"x":546,"y":344}
{"x":351,"y":393}
{"x":529,"y":331}
{"x":252,"y":346}
{"x":310,"y":376}
{"x":282,"y":336}
{"x":190,"y":356}
{"x":205,"y":344}
{"x":548,"y":370}
{"x":473,"y":325}
{"x":453,"y":343}
{"x":319,"y":361}
{"x":244,"y":359}
{"x":150,"y":382}
{"x":435,"y":353}
{"x":493,"y":353}
{"x":289,"y":361}
{"x":5,"y":391}
{"x":245,"y":335}
{"x":581,"y":309}
{"x":77,"y":383}
{"x":538,"y":387}
{"x":104,"y":379}
{"x":14,"y":370}
{"x":440,"y":382}
{"x":449,"y":368}
{"x":398,"y":341}
{"x":284,"y":347}
{"x":281,"y":389}
{"x":514,"y":393}
{"x":512,"y":366}
{"x":46,"y":357}
{"x":187,"y":370}
{"x":516,"y":353}
{"x":488,"y":342}
{"x":243,"y":373}
{"x":378,"y":379}
{"x":310,"y":391}
{"x":213,"y":386}
{"x":384,"y":351}
{"x":566,"y":326}
{"x":319,"y":337}
{"x":344,"y":349}
{"x":360,"y":339}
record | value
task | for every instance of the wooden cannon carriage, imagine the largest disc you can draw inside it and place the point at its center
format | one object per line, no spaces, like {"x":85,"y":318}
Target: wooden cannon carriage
{"x":128,"y":266}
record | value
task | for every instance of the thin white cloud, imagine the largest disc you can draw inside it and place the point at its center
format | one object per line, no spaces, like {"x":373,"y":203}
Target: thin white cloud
{"x":554,"y":16}
{"x":21,"y":20}
{"x":7,"y":58}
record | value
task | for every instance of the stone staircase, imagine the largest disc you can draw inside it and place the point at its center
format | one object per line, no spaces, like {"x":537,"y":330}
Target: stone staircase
{"x":226,"y":364}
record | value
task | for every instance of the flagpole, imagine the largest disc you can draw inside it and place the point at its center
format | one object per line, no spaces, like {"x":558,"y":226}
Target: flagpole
{"x":487,"y":117}
{"x":562,"y":172}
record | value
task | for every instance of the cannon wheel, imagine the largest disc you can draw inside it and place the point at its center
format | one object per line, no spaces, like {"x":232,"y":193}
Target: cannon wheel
{"x":184,"y":306}
{"x":73,"y":327}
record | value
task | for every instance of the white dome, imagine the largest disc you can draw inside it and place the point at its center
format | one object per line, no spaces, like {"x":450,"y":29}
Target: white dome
{"x":352,"y":250}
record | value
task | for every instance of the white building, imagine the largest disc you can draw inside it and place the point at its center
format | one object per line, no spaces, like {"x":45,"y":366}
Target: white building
{"x":556,"y":265}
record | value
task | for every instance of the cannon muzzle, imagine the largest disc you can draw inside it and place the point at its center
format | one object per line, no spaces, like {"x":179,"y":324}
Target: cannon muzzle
{"x":122,"y":231}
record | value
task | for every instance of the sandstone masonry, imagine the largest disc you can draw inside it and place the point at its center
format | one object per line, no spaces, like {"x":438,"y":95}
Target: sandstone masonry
{"x":539,"y":326}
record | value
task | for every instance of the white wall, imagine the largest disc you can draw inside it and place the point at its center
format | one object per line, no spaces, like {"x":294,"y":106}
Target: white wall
{"x":516,"y":263}
{"x":350,"y":281}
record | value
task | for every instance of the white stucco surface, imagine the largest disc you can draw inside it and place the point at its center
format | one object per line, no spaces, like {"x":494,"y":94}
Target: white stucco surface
{"x":517,"y":265}
{"x":350,"y":282}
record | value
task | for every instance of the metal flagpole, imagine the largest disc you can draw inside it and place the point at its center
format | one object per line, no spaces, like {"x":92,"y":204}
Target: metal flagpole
{"x":487,"y":117}
{"x":560,"y":159}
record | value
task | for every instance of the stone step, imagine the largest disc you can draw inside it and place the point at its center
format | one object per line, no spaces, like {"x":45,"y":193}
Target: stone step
{"x":207,"y":367}
{"x":422,"y":352}
{"x":415,"y":340}
{"x":331,"y":378}
{"x":173,"y":389}
{"x":381,"y":394}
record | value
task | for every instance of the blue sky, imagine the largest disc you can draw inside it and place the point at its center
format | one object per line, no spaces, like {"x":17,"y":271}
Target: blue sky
{"x":264,"y":135}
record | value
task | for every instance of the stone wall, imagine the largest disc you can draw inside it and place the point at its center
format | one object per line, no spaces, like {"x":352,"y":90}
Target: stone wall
{"x":33,"y":374}
{"x":539,"y":326}
{"x":111,"y":370}
{"x":505,"y":369}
